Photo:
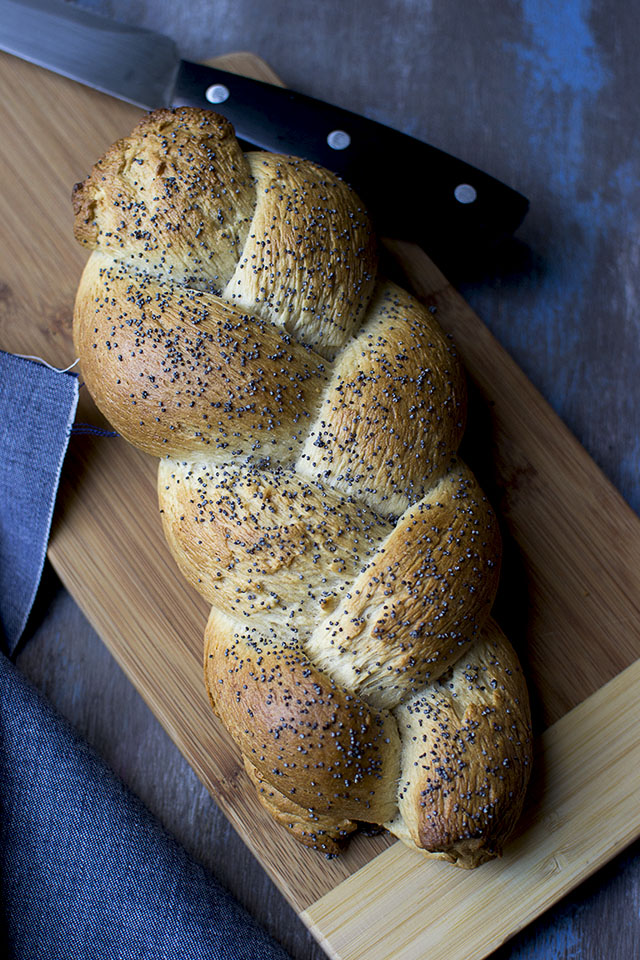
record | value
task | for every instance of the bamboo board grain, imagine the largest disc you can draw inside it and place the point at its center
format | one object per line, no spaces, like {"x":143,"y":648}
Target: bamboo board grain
{"x":393,"y":906}
{"x":569,"y":600}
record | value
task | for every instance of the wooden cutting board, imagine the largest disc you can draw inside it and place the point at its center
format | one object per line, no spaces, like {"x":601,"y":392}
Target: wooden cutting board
{"x":570,"y":597}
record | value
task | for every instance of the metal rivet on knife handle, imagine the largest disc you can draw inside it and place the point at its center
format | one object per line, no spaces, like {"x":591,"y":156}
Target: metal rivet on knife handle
{"x":145,"y":68}
{"x":217,"y":93}
{"x":465,"y":193}
{"x":338,"y":139}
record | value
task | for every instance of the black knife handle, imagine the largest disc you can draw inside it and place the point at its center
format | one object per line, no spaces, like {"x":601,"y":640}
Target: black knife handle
{"x":415,"y":191}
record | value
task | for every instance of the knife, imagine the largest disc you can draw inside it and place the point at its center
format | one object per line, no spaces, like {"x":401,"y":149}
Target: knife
{"x":414,"y":191}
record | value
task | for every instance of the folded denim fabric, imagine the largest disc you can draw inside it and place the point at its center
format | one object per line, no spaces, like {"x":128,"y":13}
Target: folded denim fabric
{"x":37,"y":407}
{"x":85,"y":872}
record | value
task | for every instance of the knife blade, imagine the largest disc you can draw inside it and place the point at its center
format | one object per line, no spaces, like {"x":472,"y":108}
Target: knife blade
{"x":414,"y":191}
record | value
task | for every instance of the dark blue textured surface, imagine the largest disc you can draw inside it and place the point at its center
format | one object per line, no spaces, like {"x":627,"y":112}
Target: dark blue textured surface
{"x":566,"y":131}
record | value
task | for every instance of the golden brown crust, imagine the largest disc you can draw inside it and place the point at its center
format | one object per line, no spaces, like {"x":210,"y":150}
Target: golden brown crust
{"x":309,"y":263}
{"x":181,"y":373}
{"x":173,"y":200}
{"x":308,"y":416}
{"x":394,"y":412}
{"x":466,"y":755}
{"x":252,"y":542}
{"x":423,"y":598}
{"x":325,"y":833}
{"x":324,"y":749}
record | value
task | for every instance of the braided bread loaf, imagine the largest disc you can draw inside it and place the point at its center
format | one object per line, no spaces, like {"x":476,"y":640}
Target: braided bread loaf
{"x":307,"y":415}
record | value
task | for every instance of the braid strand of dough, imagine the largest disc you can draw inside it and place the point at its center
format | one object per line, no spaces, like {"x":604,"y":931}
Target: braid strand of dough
{"x":307,"y":415}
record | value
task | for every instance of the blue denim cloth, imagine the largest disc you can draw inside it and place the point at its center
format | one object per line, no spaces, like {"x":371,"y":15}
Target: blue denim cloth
{"x":85,"y":871}
{"x":37,"y":406}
